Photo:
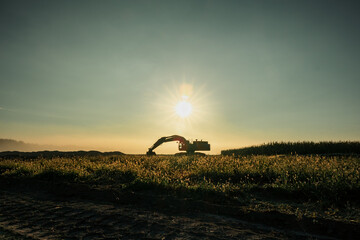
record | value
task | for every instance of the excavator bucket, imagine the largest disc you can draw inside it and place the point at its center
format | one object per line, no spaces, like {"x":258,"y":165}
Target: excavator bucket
{"x":150,"y":153}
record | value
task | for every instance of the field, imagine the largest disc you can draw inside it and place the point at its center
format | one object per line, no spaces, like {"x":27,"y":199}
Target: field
{"x":328,"y":182}
{"x":308,"y":188}
{"x":300,"y":148}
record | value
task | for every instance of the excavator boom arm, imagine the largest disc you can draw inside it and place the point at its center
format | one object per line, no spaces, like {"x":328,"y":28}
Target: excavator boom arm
{"x":163,"y":140}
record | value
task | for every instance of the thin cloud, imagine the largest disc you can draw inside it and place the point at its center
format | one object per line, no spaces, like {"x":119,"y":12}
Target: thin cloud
{"x":5,"y":109}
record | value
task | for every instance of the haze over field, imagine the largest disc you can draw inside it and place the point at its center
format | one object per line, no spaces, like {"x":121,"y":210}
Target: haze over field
{"x":14,"y":145}
{"x":117,"y":75}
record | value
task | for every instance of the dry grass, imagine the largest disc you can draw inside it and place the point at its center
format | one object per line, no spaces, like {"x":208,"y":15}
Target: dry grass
{"x":325,"y":183}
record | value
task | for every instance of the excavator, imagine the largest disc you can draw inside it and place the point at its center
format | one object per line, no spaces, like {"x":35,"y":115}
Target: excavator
{"x":184,"y":145}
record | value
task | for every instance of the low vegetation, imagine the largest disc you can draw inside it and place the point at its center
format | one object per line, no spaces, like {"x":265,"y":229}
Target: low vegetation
{"x":329,"y":180}
{"x":299,"y":148}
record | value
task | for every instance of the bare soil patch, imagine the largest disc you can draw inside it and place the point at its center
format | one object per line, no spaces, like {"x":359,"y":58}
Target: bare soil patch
{"x":39,"y":210}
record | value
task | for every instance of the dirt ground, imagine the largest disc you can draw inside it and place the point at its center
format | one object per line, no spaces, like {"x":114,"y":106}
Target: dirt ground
{"x":41,"y":215}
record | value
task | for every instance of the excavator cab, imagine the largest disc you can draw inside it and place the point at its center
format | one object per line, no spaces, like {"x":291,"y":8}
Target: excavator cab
{"x":182,"y":146}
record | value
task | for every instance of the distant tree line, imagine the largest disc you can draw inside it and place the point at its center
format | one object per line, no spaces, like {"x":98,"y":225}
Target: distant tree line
{"x":300,"y":148}
{"x":53,"y":154}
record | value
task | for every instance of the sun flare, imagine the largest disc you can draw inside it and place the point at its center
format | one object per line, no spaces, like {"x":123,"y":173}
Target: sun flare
{"x":183,"y":108}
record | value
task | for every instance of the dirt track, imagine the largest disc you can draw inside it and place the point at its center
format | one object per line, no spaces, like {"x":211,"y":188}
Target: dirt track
{"x":42,"y":216}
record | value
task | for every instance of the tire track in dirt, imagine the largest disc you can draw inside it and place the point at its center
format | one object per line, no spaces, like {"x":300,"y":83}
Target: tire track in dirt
{"x":44,"y":217}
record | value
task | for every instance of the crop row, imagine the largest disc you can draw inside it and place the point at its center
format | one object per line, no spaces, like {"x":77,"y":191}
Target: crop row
{"x":311,"y":177}
{"x":300,"y":148}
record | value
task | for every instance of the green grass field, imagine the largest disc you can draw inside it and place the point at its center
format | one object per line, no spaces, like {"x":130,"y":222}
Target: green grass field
{"x":326,"y":186}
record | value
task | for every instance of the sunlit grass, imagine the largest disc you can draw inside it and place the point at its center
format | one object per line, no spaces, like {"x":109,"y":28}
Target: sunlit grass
{"x":308,"y":177}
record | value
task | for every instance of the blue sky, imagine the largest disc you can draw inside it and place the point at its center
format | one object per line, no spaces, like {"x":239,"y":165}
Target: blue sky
{"x":107,"y":75}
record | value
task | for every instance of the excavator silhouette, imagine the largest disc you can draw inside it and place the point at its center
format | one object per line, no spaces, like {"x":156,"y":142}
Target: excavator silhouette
{"x":184,"y":145}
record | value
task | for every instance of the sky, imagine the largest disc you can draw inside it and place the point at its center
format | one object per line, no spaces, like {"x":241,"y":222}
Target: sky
{"x":107,"y":75}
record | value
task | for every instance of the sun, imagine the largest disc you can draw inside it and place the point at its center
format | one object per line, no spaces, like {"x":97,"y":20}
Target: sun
{"x":183,"y":108}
